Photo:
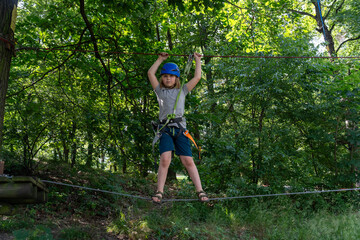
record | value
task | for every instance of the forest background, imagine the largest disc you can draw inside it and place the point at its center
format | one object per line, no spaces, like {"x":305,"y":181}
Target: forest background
{"x":272,"y":109}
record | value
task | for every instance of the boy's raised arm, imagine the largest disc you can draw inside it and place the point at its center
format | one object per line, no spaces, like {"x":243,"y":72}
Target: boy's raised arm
{"x":197,"y":76}
{"x":152,"y":71}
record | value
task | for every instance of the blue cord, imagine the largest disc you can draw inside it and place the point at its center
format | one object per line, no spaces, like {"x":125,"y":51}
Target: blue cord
{"x":322,"y":21}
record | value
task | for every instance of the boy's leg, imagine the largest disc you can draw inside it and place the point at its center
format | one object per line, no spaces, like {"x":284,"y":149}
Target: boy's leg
{"x":191,"y":168}
{"x":165,"y":160}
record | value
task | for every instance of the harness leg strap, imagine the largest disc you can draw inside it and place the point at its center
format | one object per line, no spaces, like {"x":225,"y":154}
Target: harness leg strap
{"x":187,"y":134}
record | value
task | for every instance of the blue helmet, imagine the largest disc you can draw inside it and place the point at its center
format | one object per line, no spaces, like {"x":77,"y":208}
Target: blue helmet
{"x":170,"y":68}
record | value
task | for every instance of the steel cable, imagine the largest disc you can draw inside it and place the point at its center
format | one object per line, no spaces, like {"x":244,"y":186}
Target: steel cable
{"x":185,"y":55}
{"x":210,"y":199}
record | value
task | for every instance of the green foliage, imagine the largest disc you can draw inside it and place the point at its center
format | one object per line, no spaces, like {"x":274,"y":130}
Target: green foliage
{"x":38,"y":233}
{"x":119,"y":225}
{"x":8,"y":225}
{"x":284,"y":224}
{"x":91,"y":203}
{"x":196,"y":4}
{"x":74,"y":233}
{"x":70,"y":213}
{"x":277,"y":219}
{"x":263,"y":123}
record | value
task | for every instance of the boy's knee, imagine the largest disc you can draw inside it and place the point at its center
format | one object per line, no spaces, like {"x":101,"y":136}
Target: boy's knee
{"x":165,"y":163}
{"x":165,"y":159}
{"x":187,"y":161}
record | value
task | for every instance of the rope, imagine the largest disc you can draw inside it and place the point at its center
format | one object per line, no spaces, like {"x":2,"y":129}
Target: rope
{"x":322,"y":21}
{"x":210,"y":199}
{"x":96,"y":190}
{"x":183,"y":55}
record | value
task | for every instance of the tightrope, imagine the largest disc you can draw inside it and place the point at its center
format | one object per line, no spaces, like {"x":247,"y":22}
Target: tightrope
{"x":210,"y":199}
{"x":97,"y":190}
{"x":182,"y":55}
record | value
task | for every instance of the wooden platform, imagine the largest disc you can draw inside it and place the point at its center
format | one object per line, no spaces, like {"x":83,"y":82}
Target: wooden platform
{"x":22,"y":190}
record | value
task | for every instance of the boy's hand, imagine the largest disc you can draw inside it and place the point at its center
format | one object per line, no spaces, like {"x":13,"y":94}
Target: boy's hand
{"x":197,"y":56}
{"x":163,"y":56}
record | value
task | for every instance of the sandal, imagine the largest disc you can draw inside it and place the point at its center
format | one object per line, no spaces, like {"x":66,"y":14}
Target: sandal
{"x":159,"y":196}
{"x":201,"y":194}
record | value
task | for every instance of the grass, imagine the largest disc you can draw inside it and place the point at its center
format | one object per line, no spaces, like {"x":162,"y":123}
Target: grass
{"x":77,"y":214}
{"x":323,"y":226}
{"x":188,"y":220}
{"x":194,"y":221}
{"x":261,"y":220}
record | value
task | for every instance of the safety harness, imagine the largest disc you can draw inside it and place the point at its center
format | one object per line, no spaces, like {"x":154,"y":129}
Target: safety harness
{"x":159,"y":126}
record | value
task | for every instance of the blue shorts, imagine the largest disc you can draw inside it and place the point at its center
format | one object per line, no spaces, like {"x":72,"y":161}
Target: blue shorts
{"x":170,"y":138}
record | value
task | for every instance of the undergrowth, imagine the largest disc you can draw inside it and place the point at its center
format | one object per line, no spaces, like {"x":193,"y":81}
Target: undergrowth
{"x":79,"y":214}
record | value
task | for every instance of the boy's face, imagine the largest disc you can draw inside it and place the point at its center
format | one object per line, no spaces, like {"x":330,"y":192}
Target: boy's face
{"x":168,"y":80}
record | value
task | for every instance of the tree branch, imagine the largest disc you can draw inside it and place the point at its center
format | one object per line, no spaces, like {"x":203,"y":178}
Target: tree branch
{"x":251,"y":10}
{"x":53,"y":69}
{"x":338,"y":9}
{"x":302,"y":13}
{"x":93,"y":38}
{"x":348,"y":40}
{"x":238,"y":6}
{"x":332,"y":27}
{"x":98,"y":56}
{"x":43,"y":76}
{"x":330,"y":9}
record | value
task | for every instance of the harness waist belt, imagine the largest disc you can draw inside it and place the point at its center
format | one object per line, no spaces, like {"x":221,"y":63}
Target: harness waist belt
{"x":182,"y":130}
{"x":173,"y":120}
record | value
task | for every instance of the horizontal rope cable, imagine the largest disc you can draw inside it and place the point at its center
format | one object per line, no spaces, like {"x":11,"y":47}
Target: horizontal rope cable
{"x":210,"y":199}
{"x":97,"y":190}
{"x":181,"y":55}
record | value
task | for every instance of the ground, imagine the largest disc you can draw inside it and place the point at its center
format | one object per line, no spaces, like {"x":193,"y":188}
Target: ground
{"x":6,"y":236}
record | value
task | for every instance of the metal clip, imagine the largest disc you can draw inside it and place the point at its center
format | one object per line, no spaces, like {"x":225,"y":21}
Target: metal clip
{"x":191,"y":57}
{"x":188,"y":65}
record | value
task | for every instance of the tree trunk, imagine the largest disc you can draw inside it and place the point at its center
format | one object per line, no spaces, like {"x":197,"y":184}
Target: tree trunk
{"x":73,"y":145}
{"x":170,"y":41}
{"x":171,"y":174}
{"x":323,"y":28}
{"x":260,"y":167}
{"x":89,"y":160}
{"x":59,"y":153}
{"x":210,"y":82}
{"x":124,"y":166}
{"x":7,"y":27}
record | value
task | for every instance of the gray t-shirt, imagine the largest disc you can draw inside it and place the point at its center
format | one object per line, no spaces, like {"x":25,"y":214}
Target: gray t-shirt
{"x":167,"y":98}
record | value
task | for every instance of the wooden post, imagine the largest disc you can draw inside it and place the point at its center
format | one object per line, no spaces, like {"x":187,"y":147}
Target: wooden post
{"x":2,"y":163}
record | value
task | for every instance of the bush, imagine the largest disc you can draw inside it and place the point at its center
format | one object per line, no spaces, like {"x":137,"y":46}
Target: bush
{"x":75,"y":233}
{"x":38,"y":233}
